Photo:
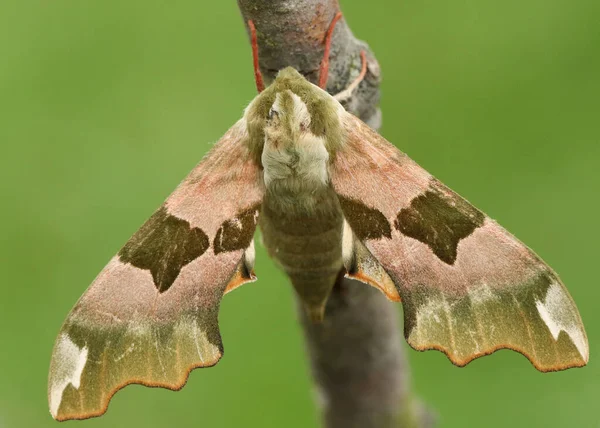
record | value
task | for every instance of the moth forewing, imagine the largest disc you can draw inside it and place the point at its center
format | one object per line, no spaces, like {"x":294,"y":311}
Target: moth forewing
{"x":150,"y":317}
{"x":468,"y":287}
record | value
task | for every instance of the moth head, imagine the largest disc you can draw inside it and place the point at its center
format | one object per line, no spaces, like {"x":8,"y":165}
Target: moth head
{"x":288,"y":120}
{"x":292,"y":108}
{"x":292,"y":153}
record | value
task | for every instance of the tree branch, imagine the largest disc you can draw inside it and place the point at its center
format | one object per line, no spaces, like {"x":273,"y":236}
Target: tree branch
{"x":357,"y":356}
{"x":292,"y":32}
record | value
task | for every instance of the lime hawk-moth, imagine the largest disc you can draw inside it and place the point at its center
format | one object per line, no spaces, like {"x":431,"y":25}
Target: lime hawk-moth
{"x":332,"y":199}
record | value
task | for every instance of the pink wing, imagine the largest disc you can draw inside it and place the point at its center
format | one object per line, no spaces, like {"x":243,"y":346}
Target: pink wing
{"x":468,"y":287}
{"x":150,"y":317}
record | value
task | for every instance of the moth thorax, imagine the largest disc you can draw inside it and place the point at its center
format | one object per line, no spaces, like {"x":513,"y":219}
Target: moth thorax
{"x":294,"y":159}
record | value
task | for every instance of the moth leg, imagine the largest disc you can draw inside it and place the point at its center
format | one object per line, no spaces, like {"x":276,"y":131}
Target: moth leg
{"x":347,"y":93}
{"x":324,"y":69}
{"x":260,"y":84}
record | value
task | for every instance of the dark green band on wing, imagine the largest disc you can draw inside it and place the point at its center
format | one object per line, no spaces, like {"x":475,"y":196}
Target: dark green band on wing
{"x":237,"y":233}
{"x":366,"y":222}
{"x":439,"y":220}
{"x":164,"y":245}
{"x":485,"y":319}
{"x":145,"y":351}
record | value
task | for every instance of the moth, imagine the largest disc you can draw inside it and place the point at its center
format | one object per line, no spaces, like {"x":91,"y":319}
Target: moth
{"x":332,"y":199}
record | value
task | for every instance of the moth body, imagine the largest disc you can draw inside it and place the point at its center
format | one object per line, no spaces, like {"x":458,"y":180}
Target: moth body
{"x":301,"y":219}
{"x":307,"y":245}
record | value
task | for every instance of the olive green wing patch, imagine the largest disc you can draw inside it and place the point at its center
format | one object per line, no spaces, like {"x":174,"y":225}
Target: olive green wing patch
{"x":150,"y":316}
{"x":468,"y":287}
{"x":536,"y":318}
{"x":121,"y":331}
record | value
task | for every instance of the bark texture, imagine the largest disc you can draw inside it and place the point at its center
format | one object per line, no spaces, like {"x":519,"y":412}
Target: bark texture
{"x":292,"y":33}
{"x":357,"y":356}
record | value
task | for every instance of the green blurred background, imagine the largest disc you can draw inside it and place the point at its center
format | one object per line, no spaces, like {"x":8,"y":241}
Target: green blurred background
{"x":105,"y":106}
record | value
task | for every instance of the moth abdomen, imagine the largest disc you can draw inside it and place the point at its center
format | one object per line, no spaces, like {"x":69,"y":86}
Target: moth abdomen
{"x":308,"y":246}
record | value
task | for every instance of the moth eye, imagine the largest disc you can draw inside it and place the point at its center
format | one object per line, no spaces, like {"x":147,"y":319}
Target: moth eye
{"x":304,"y":125}
{"x":273,"y":113}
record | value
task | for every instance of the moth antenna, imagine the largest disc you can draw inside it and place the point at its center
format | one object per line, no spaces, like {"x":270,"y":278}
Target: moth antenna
{"x":324,"y":69}
{"x":260,"y":84}
{"x":346,"y":93}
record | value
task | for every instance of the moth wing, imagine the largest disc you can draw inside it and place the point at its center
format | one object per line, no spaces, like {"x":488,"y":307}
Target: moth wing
{"x":468,"y":287}
{"x":150,"y":316}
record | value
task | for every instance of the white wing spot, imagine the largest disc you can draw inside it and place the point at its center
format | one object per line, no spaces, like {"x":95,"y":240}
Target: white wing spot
{"x":250,"y":255}
{"x":347,"y":245}
{"x":428,"y":320}
{"x":482,"y":294}
{"x":162,"y":366}
{"x":70,"y":362}
{"x":557,"y":312}
{"x":195,"y":333}
{"x":138,"y":327}
{"x":124,"y":354}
